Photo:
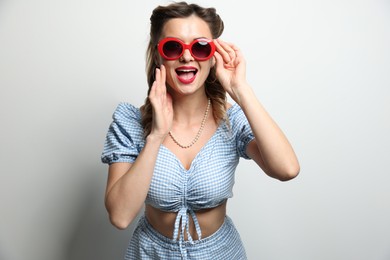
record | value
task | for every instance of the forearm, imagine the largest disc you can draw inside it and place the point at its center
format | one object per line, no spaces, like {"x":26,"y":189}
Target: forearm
{"x":127,"y":195}
{"x":277,"y":155}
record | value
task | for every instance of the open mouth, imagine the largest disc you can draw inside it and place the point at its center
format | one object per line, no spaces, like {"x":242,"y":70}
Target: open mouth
{"x":186,"y":74}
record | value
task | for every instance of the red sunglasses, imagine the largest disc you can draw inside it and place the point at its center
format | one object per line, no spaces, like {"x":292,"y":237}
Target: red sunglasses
{"x":172,"y":48}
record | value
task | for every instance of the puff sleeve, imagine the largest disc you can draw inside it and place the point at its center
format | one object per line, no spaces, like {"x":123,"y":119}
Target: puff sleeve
{"x":241,"y":130}
{"x":124,"y":139}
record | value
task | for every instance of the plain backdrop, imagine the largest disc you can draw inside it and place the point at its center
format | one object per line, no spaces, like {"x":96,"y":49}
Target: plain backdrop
{"x":320,"y":67}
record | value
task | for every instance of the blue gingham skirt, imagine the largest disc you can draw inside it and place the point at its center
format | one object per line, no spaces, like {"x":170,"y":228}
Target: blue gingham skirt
{"x":148,"y":243}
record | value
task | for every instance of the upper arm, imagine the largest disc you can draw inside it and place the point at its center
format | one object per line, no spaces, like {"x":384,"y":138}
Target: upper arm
{"x":115,"y":173}
{"x":253,"y":152}
{"x":282,"y":174}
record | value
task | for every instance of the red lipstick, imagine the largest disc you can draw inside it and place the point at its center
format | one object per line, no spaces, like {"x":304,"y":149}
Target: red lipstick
{"x":186,"y":74}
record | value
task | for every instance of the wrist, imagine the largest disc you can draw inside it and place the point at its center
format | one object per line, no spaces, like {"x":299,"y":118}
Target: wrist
{"x":157,"y":139}
{"x":244,"y":94}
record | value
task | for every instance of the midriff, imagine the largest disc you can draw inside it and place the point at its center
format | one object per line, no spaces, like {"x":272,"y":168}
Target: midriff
{"x":210,"y":220}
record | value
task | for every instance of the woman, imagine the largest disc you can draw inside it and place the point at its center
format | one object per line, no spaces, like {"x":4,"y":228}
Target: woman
{"x":177,"y":154}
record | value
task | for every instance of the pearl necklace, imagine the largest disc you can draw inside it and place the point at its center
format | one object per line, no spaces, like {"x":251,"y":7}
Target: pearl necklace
{"x":199,"y":132}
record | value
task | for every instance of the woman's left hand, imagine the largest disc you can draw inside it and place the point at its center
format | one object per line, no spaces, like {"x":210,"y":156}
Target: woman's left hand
{"x":230,"y":68}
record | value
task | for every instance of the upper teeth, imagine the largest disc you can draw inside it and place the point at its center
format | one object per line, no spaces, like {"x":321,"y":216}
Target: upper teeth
{"x":186,"y":70}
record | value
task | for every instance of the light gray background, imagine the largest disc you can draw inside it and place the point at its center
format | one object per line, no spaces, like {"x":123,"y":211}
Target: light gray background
{"x":321,"y":68}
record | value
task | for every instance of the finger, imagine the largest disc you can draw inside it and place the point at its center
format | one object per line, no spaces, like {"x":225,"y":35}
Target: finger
{"x":159,"y":90}
{"x":220,"y":50}
{"x":157,"y":75}
{"x":229,"y":49}
{"x":152,"y":92}
{"x":154,"y":89}
{"x":163,"y":79}
{"x":238,"y":53}
{"x":218,"y":61}
{"x":230,"y":53}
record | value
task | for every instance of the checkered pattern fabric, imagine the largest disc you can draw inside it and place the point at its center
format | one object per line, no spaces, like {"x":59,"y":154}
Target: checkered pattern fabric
{"x":206,"y":184}
{"x":147,"y":243}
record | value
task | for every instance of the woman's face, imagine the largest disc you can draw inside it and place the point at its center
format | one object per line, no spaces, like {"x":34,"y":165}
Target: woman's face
{"x":186,"y":75}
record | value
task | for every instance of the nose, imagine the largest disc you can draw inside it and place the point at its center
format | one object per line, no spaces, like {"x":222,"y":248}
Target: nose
{"x":187,"y":57}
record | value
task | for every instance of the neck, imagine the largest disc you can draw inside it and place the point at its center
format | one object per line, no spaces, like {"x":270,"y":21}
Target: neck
{"x":189,"y":109}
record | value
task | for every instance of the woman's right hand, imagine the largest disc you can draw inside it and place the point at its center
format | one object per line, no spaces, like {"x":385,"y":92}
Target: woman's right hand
{"x":161,"y":102}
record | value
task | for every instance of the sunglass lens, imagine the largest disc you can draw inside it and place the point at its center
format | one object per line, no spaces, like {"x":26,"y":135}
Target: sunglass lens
{"x":201,"y":49}
{"x":172,"y":49}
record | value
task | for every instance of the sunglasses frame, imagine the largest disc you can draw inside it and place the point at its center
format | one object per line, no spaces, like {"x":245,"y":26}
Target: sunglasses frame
{"x":185,"y":46}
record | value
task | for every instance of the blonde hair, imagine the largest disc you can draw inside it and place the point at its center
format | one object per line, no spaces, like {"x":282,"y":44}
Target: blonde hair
{"x":213,"y":87}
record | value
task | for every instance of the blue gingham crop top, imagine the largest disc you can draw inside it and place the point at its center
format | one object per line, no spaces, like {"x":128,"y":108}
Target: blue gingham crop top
{"x":206,"y":184}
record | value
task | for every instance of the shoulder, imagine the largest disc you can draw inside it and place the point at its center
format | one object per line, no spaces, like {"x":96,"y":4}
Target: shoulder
{"x":233,"y":111}
{"x":128,"y":118}
{"x":127,"y":111}
{"x":237,"y":120}
{"x":228,"y":105}
{"x":124,"y":139}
